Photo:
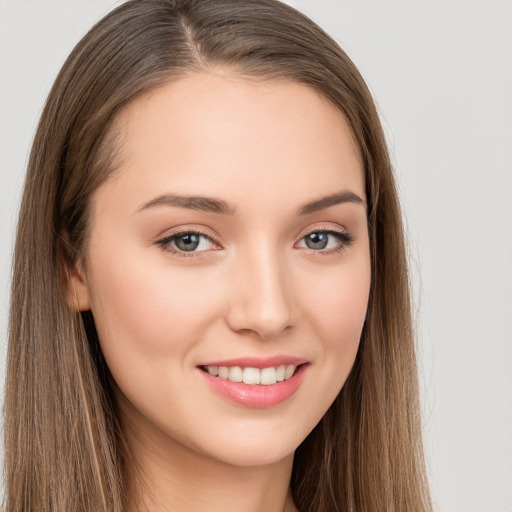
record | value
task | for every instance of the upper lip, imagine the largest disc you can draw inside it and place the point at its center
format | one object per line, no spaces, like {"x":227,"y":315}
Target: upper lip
{"x":258,"y":362}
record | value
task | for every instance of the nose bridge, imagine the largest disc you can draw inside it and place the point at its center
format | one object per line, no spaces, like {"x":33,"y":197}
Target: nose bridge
{"x":264,"y":301}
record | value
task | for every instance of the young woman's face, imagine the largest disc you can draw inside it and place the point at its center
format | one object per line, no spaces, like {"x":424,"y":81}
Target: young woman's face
{"x":233,"y":235}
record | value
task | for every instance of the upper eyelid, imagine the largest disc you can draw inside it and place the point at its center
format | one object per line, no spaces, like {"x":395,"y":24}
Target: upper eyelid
{"x":165,"y":241}
{"x":169,"y":235}
{"x":207,"y":234}
{"x":344,"y":236}
{"x":323,"y":228}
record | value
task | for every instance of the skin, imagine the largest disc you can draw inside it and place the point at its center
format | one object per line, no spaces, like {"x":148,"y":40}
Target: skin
{"x":253,"y":288}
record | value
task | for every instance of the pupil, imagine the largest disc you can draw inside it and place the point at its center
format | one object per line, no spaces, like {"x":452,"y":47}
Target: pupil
{"x":317,"y":240}
{"x":187,"y":242}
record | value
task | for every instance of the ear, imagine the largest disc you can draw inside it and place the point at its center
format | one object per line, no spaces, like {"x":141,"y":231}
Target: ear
{"x":77,"y":289}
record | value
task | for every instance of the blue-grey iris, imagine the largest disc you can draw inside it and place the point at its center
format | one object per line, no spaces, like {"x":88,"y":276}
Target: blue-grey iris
{"x":188,"y":242}
{"x":317,"y":240}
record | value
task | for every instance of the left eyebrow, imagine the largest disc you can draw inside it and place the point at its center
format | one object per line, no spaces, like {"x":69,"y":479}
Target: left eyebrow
{"x":346,"y":196}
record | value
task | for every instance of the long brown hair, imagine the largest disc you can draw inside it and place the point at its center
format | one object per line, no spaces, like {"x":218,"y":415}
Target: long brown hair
{"x":64,"y":450}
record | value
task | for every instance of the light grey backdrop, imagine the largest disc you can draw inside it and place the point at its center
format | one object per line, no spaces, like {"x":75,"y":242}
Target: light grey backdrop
{"x":442,"y":75}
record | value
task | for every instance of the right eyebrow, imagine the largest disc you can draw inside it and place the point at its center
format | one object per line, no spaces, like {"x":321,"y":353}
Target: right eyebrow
{"x":203,"y":204}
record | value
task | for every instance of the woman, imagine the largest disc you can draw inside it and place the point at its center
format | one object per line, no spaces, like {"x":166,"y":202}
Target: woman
{"x":210,"y":303}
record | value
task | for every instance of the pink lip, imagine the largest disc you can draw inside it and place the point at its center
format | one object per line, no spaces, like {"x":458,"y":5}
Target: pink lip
{"x":256,"y":396}
{"x":258,"y":362}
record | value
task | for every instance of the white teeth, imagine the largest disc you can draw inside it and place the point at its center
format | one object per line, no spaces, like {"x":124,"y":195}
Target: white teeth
{"x":235,"y":374}
{"x":264,"y":376}
{"x":252,"y":376}
{"x":213,"y":370}
{"x":290,"y":369}
{"x":268,"y":376}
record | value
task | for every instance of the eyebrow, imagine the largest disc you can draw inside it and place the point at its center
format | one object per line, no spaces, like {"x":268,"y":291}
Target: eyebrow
{"x":203,"y":204}
{"x":212,"y":205}
{"x":345,"y":196}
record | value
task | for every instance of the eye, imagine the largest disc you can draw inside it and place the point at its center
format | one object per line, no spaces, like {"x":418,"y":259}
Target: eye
{"x":326,"y":241}
{"x":187,"y":242}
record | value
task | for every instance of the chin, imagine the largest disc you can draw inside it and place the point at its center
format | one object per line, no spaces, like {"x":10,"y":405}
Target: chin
{"x":251,"y":456}
{"x":249,"y":449}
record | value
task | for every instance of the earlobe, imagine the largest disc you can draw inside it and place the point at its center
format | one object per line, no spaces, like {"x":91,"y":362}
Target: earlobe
{"x":77,"y":290}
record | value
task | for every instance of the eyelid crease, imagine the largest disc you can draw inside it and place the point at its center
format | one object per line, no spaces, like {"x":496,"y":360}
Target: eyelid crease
{"x":169,"y":234}
{"x":165,"y":242}
{"x":344,"y":239}
{"x":322,"y":227}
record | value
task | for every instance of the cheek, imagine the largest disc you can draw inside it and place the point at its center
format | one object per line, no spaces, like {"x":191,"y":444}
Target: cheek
{"x":337,"y":310}
{"x":339,"y":307}
{"x":148,"y":311}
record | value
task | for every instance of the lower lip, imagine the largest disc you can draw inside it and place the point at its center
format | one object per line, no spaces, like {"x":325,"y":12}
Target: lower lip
{"x":256,"y":395}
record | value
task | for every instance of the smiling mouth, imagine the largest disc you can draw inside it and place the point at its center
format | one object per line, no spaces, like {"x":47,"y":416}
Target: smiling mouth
{"x":253,"y":376}
{"x":254,"y":383}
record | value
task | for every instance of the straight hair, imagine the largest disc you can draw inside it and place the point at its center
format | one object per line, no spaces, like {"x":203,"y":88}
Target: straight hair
{"x":64,"y":448}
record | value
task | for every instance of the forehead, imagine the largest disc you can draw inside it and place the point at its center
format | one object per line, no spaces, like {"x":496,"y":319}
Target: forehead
{"x":218,"y":133}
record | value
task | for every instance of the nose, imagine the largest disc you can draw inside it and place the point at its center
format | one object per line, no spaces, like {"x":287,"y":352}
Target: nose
{"x":262,"y":301}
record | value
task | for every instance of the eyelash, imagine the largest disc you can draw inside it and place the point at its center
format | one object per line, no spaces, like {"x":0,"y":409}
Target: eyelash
{"x":165,"y":243}
{"x":344,"y":240}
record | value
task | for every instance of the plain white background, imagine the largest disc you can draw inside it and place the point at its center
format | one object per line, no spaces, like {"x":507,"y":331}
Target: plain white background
{"x":441,"y":73}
